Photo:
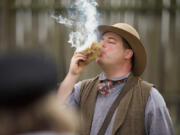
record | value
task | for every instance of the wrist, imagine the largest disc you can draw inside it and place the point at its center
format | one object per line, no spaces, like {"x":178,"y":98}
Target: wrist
{"x":73,"y":76}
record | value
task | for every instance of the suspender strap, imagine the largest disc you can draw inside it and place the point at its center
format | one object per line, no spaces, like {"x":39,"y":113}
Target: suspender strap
{"x":127,"y":87}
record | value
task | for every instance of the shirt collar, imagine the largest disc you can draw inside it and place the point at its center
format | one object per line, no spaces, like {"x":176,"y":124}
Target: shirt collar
{"x":103,"y":77}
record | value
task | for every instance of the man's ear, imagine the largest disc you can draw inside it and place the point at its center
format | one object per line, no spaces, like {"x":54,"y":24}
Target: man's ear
{"x":129,"y":53}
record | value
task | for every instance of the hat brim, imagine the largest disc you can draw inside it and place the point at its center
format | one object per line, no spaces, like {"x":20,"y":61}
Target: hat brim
{"x":136,"y":45}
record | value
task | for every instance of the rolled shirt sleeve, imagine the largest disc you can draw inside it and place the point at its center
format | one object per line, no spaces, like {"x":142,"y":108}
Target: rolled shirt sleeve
{"x":157,"y":118}
{"x":74,"y":98}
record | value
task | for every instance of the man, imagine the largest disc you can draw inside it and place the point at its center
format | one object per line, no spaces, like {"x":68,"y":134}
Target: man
{"x":117,"y":102}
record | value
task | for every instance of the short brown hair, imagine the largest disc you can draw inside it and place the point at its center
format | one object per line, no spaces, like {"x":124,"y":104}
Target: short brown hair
{"x":127,"y":46}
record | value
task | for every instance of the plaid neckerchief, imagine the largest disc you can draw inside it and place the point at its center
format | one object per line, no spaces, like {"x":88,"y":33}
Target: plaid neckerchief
{"x":105,"y":86}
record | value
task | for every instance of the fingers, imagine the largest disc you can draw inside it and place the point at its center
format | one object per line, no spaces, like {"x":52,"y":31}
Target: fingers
{"x":79,"y":56}
{"x":75,"y":68}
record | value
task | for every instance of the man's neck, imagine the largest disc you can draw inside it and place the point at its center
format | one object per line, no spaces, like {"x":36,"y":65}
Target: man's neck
{"x":116,"y":71}
{"x":111,"y":75}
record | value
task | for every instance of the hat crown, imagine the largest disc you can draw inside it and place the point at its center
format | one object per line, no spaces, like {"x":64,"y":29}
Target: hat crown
{"x":128,"y":28}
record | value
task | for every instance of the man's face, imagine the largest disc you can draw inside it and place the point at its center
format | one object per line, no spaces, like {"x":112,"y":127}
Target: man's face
{"x":112,"y":51}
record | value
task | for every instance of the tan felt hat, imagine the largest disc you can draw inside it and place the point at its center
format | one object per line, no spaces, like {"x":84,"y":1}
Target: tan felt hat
{"x":130,"y":34}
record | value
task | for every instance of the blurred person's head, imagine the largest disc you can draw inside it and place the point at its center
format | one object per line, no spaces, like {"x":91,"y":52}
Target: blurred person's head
{"x":28,"y":101}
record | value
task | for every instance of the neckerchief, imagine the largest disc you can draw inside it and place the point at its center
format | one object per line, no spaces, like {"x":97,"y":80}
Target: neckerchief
{"x":105,"y":86}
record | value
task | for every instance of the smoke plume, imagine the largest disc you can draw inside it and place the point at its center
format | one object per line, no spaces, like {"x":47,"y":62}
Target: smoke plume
{"x":83,"y":20}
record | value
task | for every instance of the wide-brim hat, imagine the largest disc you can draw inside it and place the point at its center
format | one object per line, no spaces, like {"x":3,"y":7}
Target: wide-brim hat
{"x":131,"y":35}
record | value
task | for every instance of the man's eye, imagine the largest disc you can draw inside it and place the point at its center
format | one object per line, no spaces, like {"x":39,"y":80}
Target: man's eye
{"x":111,"y":42}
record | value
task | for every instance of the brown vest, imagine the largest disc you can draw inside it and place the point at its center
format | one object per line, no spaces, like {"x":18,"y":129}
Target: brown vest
{"x":131,"y":110}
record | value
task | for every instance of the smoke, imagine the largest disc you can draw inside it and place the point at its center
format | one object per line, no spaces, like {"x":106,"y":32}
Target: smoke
{"x":83,"y":20}
{"x":62,"y":20}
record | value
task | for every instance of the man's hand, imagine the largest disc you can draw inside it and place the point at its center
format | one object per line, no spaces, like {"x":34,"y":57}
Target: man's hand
{"x":75,"y":67}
